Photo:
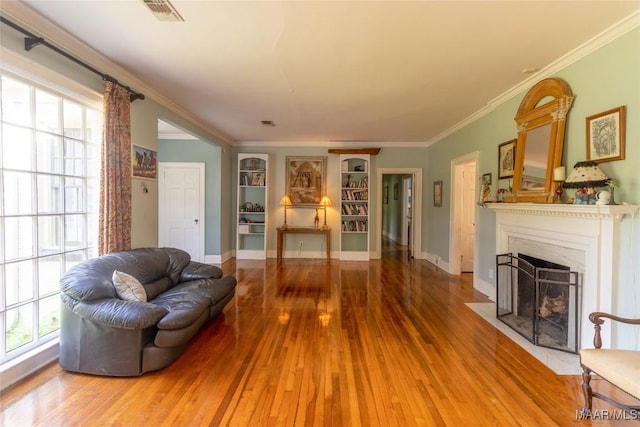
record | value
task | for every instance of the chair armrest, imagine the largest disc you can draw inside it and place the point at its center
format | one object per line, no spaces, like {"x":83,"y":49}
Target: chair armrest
{"x":597,"y":319}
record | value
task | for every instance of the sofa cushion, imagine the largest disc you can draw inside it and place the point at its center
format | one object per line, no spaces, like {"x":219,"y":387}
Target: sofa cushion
{"x":198,"y":270}
{"x":183,"y":307}
{"x":214,"y":290}
{"x":128,"y":287}
{"x":157,"y":287}
{"x":619,"y":367}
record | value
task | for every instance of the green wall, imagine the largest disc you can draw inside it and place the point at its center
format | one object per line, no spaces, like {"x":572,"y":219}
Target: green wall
{"x":604,"y":79}
{"x":144,"y":132}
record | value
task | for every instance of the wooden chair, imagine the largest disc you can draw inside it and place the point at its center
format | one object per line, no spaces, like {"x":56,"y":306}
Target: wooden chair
{"x":619,"y":367}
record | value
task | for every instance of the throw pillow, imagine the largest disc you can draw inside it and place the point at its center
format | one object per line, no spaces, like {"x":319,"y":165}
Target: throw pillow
{"x":128,"y":287}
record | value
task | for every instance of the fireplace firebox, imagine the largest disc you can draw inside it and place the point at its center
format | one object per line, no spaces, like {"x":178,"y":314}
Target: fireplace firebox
{"x":539,"y":299}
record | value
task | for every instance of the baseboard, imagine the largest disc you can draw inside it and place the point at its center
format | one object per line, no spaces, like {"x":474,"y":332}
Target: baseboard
{"x":219,"y":259}
{"x":437,"y":261}
{"x":485,"y":287}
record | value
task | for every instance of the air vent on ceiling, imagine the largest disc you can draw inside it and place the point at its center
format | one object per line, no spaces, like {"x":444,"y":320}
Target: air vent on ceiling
{"x":163,"y":10}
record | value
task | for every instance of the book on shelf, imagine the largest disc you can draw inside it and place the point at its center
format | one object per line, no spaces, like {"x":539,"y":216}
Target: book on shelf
{"x":355,"y":225}
{"x":355,"y":209}
{"x":355,"y":194}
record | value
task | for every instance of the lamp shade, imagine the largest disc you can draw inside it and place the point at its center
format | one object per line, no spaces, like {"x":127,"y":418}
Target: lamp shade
{"x":325,"y":201}
{"x":285,"y":201}
{"x":586,"y":175}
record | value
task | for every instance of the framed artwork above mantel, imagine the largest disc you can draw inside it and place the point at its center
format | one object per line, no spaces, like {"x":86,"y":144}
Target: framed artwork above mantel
{"x":606,"y":135}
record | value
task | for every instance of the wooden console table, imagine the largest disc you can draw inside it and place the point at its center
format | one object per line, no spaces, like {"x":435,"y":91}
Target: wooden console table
{"x":302,"y":230}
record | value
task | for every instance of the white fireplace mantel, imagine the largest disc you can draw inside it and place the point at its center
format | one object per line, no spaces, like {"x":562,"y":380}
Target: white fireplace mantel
{"x":567,"y":210}
{"x":593,"y":231}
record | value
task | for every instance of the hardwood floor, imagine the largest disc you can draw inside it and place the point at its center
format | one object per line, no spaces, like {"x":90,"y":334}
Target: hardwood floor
{"x":384,"y":343}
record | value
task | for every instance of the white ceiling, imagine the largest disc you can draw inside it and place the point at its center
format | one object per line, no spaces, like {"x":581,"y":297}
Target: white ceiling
{"x":394,"y":72}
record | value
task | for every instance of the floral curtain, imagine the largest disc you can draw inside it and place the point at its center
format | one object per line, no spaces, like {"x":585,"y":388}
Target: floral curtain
{"x":115,"y":172}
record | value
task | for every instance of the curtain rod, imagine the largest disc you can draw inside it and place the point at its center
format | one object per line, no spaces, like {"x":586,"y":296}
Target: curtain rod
{"x":32,"y":41}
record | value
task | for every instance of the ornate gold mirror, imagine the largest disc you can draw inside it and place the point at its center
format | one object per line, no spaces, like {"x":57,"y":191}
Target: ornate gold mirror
{"x":541,"y":122}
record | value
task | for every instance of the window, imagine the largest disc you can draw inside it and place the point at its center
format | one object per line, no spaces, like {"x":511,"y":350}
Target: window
{"x":49,"y":171}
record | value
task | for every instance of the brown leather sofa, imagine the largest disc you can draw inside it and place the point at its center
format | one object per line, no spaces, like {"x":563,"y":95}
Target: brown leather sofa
{"x":103,"y":334}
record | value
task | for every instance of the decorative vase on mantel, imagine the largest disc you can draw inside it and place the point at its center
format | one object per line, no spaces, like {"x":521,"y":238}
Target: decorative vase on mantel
{"x":611,"y":201}
{"x":316,"y":220}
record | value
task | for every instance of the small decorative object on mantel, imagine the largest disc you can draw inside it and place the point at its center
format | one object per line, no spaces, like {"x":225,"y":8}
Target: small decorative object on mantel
{"x":559,"y":175}
{"x":586,"y":177}
{"x":500,"y":194}
{"x":612,"y":185}
{"x":485,"y":190}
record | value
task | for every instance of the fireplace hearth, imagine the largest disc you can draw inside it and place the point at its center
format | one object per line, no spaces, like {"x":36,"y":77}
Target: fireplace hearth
{"x":539,"y":299}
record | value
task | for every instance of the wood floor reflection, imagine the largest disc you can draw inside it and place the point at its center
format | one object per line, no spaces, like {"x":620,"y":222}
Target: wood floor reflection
{"x":381,"y":343}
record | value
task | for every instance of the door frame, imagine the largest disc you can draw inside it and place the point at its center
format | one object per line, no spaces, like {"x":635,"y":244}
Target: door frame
{"x":200,"y":166}
{"x":404,"y":238}
{"x":455,"y":250}
{"x":416,"y":229}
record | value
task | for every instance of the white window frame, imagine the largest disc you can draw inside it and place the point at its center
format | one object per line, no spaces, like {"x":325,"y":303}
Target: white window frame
{"x":25,"y":359}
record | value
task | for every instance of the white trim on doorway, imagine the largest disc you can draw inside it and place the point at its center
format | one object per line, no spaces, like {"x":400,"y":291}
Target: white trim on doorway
{"x":164,"y":202}
{"x":416,"y":214}
{"x":457,"y":166}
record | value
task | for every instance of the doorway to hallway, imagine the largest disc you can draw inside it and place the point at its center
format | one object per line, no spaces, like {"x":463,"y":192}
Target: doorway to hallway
{"x":462,"y":247}
{"x":399,"y":213}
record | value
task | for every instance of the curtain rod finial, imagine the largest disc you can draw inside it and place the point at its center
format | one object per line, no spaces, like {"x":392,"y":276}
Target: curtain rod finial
{"x":135,"y":96}
{"x":31,"y":42}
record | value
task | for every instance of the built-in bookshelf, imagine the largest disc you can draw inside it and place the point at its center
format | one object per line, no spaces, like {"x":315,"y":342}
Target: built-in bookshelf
{"x":251,"y":228}
{"x":354,"y":207}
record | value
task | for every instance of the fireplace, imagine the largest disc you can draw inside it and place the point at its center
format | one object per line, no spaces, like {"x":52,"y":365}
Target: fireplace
{"x":538,"y":299}
{"x":584,"y":238}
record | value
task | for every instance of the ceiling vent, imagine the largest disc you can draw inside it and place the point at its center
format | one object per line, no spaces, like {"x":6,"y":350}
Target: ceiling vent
{"x":163,"y":10}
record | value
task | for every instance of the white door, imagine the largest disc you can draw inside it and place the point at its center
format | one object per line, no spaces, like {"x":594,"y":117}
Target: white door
{"x":181,"y":207}
{"x":468,"y":217}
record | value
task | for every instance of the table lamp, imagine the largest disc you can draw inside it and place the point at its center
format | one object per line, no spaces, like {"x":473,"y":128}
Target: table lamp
{"x":324,"y":202}
{"x":586,"y":176}
{"x":285,"y":201}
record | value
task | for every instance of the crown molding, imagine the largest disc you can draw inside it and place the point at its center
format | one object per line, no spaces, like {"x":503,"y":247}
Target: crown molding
{"x":27,"y":18}
{"x":334,"y":144}
{"x":605,"y":37}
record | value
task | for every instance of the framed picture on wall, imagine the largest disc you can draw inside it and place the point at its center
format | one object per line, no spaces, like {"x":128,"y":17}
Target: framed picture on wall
{"x":506,"y":159}
{"x":606,"y":135}
{"x":144,"y":162}
{"x":306,"y":180}
{"x":437,"y":194}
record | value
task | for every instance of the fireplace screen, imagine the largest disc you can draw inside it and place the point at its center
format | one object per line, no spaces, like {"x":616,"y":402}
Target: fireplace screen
{"x":539,"y":299}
